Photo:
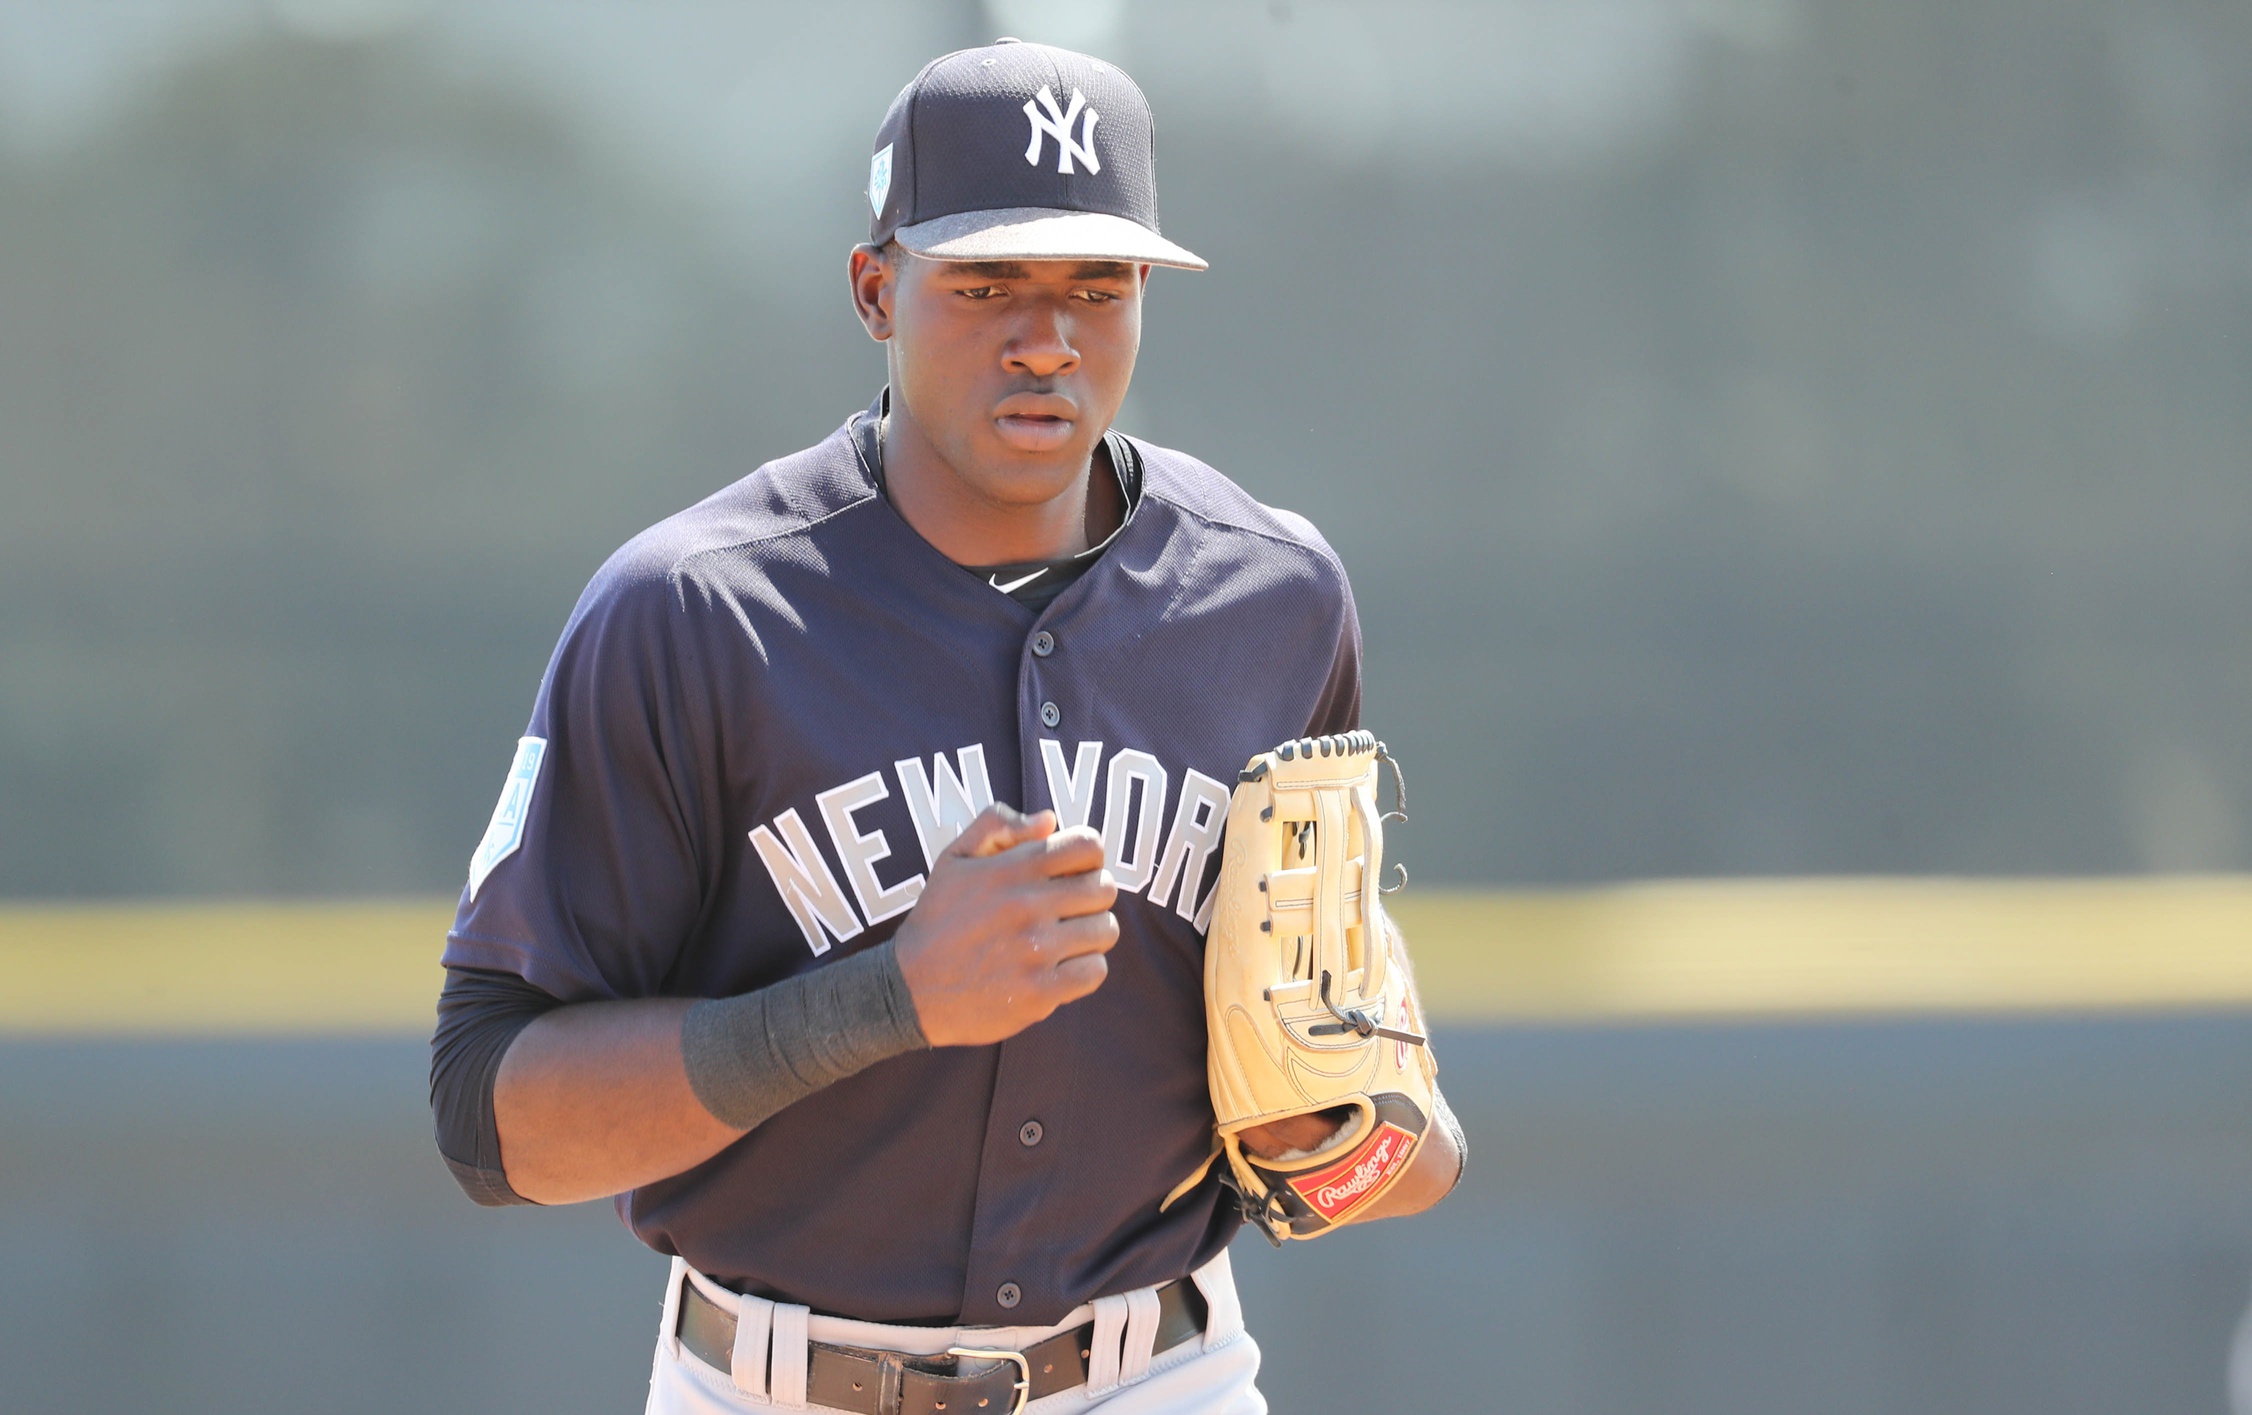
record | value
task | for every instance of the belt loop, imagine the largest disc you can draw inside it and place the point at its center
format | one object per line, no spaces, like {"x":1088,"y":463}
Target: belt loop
{"x":668,"y":1324}
{"x":891,"y":1379}
{"x":1102,"y":1352}
{"x":754,"y":1319}
{"x":1141,"y":1335}
{"x":786,"y":1383}
{"x":1223,"y":1320}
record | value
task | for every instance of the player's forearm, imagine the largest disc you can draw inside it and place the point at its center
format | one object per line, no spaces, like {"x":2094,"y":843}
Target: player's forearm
{"x":593,"y":1099}
{"x":607,"y":1096}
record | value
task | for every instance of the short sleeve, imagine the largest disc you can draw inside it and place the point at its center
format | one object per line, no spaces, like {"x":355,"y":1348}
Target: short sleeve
{"x":592,"y":872}
{"x":1338,"y":709}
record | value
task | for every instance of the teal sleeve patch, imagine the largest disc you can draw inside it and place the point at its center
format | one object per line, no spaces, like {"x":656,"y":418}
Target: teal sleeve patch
{"x":506,"y":831}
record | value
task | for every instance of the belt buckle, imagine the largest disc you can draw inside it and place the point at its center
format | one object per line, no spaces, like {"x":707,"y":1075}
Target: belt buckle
{"x":1024,"y":1369}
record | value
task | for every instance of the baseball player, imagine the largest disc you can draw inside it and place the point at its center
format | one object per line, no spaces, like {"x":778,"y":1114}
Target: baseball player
{"x":844,"y":913}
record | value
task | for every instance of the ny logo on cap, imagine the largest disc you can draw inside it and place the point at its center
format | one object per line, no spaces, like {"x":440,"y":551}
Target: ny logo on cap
{"x":1056,"y":123}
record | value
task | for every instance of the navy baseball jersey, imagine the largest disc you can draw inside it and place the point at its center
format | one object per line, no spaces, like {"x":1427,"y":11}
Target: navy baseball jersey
{"x":768,"y":715}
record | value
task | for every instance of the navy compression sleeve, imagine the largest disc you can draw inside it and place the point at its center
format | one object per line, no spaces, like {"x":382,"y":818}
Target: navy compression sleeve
{"x":480,"y":1014}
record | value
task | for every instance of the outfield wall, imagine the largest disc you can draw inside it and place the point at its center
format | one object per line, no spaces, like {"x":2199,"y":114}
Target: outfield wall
{"x":1667,"y":950}
{"x":1860,"y":1148}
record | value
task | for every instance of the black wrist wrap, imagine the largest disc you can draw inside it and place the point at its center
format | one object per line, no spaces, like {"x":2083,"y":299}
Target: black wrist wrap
{"x":749,"y":1056}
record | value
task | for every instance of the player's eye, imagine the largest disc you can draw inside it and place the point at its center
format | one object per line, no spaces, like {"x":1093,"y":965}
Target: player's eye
{"x":1096,"y":297}
{"x":980,"y":292}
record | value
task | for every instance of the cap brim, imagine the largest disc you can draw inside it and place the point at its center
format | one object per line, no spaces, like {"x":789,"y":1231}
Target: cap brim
{"x":1043,"y":233}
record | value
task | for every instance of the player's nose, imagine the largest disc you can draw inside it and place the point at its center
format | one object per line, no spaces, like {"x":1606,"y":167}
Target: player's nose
{"x":1042,"y":345}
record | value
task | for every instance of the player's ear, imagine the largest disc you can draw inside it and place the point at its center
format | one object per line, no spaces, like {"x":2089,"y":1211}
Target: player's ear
{"x":874,"y":280}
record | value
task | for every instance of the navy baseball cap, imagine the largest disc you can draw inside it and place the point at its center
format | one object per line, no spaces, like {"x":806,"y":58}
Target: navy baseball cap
{"x":1020,"y":152}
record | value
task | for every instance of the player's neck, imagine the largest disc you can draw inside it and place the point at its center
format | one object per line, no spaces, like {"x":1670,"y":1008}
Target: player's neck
{"x":972,"y":527}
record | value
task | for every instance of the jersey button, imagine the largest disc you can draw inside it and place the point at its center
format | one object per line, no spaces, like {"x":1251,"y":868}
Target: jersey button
{"x":1009,"y":1295}
{"x":1050,"y":714}
{"x":1043,"y":644}
{"x":1030,"y":1132}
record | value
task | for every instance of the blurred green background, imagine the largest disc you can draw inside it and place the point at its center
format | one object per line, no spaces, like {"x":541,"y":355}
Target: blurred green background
{"x":1767,"y":437}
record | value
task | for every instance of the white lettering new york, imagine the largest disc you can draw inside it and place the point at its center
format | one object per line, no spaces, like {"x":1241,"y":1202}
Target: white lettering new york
{"x":945,"y":795}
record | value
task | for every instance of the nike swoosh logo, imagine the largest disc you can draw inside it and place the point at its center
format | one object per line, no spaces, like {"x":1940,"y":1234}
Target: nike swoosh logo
{"x":1014,"y":585}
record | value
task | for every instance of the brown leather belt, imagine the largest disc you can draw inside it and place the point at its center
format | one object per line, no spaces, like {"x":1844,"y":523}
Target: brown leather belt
{"x":966,"y":1381}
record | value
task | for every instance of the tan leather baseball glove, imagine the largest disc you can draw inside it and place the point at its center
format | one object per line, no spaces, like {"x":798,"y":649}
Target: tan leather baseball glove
{"x":1308,"y":999}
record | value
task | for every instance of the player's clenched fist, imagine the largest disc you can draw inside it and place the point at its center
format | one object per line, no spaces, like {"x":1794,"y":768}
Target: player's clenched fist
{"x":1013,"y":924}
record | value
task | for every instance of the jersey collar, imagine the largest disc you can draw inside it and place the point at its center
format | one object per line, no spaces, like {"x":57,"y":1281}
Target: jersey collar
{"x":866,"y":428}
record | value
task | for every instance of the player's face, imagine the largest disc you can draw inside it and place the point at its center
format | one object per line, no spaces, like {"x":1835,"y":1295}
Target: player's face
{"x":1013,"y":370}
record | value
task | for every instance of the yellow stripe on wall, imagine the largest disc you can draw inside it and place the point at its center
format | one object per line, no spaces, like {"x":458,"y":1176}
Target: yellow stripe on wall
{"x":1797,"y":947}
{"x":221,"y":969}
{"x":1717,"y":949}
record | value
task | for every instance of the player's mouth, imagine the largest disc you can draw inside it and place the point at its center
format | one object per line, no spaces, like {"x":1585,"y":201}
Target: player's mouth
{"x":1036,"y":422}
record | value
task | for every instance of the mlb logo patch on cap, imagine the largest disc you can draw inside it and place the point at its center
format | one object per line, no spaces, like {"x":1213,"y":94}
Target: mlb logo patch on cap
{"x":879,"y":178}
{"x":1020,"y":152}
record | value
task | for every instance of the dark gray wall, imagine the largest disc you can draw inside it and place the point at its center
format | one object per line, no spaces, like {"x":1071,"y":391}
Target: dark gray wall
{"x":1772,"y":435}
{"x":2048,"y":1218}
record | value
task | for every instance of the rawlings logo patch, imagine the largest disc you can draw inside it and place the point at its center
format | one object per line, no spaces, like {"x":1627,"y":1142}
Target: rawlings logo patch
{"x":1352,"y":1181}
